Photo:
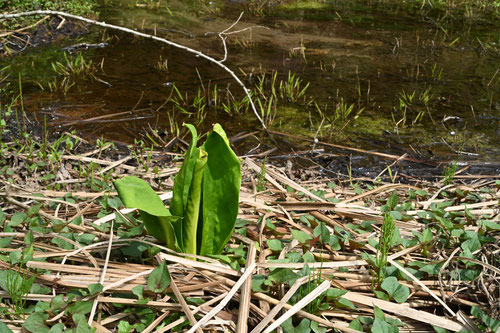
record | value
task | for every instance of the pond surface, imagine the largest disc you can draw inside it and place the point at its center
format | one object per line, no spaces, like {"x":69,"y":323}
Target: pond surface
{"x":380,"y":78}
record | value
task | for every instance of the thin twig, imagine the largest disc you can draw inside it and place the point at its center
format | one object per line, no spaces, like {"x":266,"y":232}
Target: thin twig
{"x":144,"y":35}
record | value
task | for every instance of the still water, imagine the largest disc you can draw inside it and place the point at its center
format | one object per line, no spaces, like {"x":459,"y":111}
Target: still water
{"x":381,"y":77}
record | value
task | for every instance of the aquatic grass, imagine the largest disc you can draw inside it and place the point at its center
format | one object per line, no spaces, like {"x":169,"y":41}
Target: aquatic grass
{"x":71,"y":69}
{"x":292,"y":89}
{"x":334,"y":122}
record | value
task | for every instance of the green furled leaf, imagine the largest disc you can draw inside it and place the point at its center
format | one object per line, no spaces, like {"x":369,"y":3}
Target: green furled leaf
{"x":395,"y":289}
{"x":184,"y":178}
{"x":159,"y":279}
{"x":392,"y":201}
{"x":187,"y":230}
{"x":136,"y":193}
{"x":187,"y":196}
{"x":36,"y":323}
{"x":221,"y":190}
{"x":4,"y":328}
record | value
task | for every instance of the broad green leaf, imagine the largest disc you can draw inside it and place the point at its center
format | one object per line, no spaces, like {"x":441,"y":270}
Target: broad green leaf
{"x":302,"y":327}
{"x":334,"y":242}
{"x":115,"y":203}
{"x":17,"y":219}
{"x":159,"y":279}
{"x":344,"y":303}
{"x":134,"y":249}
{"x":95,"y":288}
{"x":36,"y":323}
{"x":283,"y":275}
{"x":274,"y":245}
{"x":258,"y":283}
{"x":488,"y":225}
{"x":380,"y":324}
{"x":318,"y":329}
{"x":334,"y":293}
{"x":356,"y":325}
{"x":221,"y":190}
{"x":447,"y":224}
{"x":15,"y":257}
{"x":493,"y":324}
{"x":395,"y":289}
{"x":81,"y":324}
{"x":4,"y":328}
{"x":136,"y":193}
{"x":5,"y":241}
{"x":301,"y":236}
{"x":57,"y":302}
{"x":427,"y":235}
{"x":80,"y":307}
{"x":57,"y":328}
{"x":472,"y":243}
{"x":138,"y":291}
{"x":322,"y":231}
{"x":380,"y":294}
{"x":124,"y":327}
{"x":308,"y":257}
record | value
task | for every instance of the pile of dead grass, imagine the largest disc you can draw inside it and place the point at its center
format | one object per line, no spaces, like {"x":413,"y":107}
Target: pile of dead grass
{"x":279,"y":264}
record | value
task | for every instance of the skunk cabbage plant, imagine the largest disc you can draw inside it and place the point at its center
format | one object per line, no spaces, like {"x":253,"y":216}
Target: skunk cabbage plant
{"x":205,"y":198}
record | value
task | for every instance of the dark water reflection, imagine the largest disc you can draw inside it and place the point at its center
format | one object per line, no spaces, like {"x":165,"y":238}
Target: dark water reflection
{"x":369,"y":56}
